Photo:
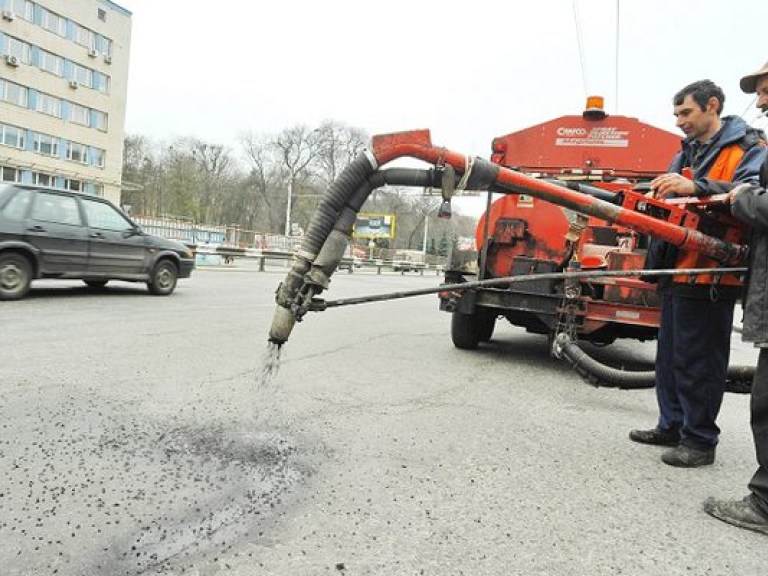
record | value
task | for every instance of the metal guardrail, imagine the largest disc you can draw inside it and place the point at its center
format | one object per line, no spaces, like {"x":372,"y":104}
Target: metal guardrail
{"x":229,"y":254}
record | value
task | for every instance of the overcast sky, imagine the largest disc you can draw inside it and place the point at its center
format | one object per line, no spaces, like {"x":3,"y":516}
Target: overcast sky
{"x":469,"y":71}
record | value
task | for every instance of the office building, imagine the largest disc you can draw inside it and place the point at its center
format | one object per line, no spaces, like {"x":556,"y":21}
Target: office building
{"x":63,"y":85}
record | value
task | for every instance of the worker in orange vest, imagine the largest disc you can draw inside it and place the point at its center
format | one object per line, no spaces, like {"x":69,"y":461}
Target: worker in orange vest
{"x":697,"y":311}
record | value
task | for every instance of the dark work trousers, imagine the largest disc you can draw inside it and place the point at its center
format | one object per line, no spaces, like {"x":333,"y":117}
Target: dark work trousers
{"x":759,"y":409}
{"x":691,"y":366}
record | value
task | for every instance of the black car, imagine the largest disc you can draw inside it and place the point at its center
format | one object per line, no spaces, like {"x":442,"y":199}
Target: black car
{"x":48,"y":233}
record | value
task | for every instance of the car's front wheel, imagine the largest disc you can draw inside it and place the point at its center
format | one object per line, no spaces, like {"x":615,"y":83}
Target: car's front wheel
{"x":163,"y":279}
{"x":15,"y":276}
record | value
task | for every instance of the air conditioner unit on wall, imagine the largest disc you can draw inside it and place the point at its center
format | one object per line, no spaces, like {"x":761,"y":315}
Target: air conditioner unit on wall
{"x":107,"y":58}
{"x":92,"y":53}
{"x":73,"y":84}
{"x":11,"y":60}
{"x":8,"y":15}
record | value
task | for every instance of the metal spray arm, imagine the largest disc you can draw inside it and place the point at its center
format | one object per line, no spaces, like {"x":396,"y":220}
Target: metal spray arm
{"x":481,"y":174}
{"x":319,"y":305}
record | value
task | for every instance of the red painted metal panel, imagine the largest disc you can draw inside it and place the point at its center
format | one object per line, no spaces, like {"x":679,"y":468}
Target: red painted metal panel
{"x":619,"y":145}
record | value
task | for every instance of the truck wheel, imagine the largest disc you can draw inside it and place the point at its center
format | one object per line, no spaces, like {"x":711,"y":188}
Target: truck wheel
{"x":464,"y":331}
{"x":163,"y":279}
{"x":15,"y":276}
{"x":486,"y":322}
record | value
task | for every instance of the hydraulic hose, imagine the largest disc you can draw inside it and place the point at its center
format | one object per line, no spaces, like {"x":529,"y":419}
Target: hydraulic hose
{"x":334,"y":247}
{"x":327,"y":212}
{"x":738,"y":380}
{"x":328,"y":235}
{"x":594,"y":191}
{"x":323,"y":220}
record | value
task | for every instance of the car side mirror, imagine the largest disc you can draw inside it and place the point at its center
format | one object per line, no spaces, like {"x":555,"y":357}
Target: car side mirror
{"x":133,"y":231}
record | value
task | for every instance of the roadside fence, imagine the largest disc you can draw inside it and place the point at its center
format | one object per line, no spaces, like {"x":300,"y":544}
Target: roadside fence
{"x":222,"y":245}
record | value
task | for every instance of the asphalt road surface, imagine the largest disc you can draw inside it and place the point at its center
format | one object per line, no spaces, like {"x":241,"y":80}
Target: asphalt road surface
{"x":141,"y":435}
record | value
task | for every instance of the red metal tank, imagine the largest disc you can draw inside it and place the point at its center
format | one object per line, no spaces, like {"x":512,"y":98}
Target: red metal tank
{"x":609,"y":152}
{"x":521,"y":225}
{"x":527,"y":235}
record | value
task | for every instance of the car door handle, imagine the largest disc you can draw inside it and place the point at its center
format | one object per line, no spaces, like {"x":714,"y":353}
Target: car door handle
{"x":97,"y":235}
{"x":36,"y":228}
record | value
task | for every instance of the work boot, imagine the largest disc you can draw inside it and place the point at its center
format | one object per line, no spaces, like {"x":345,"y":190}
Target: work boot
{"x":657,"y":436}
{"x":685,"y":456}
{"x":741,"y":513}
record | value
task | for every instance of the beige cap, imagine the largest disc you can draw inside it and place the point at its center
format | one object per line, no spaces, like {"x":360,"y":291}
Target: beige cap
{"x":749,"y":82}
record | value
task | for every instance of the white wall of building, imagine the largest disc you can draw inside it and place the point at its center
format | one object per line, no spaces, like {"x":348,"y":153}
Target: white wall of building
{"x":71,"y":58}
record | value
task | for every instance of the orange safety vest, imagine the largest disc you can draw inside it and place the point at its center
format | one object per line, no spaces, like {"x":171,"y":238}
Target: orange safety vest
{"x":723,"y":169}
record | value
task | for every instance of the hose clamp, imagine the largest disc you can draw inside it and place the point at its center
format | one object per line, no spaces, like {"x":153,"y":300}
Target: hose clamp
{"x":469,"y":163}
{"x":307,"y":257}
{"x":371,"y":159}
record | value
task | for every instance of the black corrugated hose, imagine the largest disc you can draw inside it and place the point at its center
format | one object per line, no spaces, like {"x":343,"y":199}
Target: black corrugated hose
{"x":739,"y":379}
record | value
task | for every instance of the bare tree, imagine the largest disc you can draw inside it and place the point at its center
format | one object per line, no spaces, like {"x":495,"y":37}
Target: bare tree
{"x":264,"y":180}
{"x":339,"y":145}
{"x":213,"y":163}
{"x":297,"y":148}
{"x":202,"y":181}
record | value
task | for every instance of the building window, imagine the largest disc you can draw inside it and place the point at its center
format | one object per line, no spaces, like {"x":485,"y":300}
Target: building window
{"x":10,"y":174}
{"x":14,"y":93}
{"x":82,"y":75}
{"x":48,"y":105}
{"x":103,"y":45}
{"x":51,"y":63}
{"x":79,"y":114}
{"x":100,"y":120}
{"x":46,"y":145}
{"x":97,"y":154}
{"x":23,"y":8}
{"x":12,"y":136}
{"x":15,"y":47}
{"x":74,"y":185}
{"x":85,"y":37}
{"x":77,"y":153}
{"x":93,"y":189}
{"x":41,"y":179}
{"x":101,"y":82}
{"x":54,"y":23}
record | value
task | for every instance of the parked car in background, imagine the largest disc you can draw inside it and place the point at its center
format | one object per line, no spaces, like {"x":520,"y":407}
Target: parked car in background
{"x":49,"y":233}
{"x":408,"y":260}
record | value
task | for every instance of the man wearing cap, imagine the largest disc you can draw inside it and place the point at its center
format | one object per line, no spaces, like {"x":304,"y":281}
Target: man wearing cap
{"x":749,"y":203}
{"x":697,"y":311}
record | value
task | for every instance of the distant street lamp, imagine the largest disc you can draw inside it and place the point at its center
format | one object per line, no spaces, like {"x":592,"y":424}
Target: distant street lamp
{"x":426,"y":226}
{"x":288,"y":208}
